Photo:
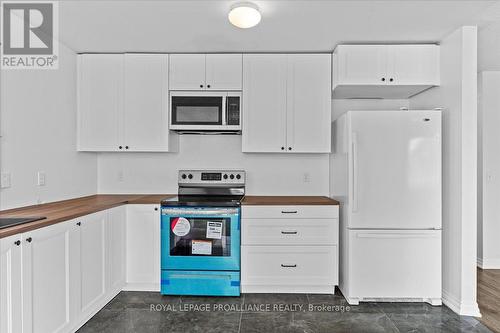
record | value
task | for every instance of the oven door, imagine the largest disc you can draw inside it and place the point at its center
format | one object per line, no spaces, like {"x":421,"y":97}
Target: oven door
{"x":190,"y":110}
{"x":200,"y":238}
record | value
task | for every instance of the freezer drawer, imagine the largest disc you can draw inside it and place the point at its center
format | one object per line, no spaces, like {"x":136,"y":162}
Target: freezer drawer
{"x":299,"y":269}
{"x":394,"y":264}
{"x":289,"y":231}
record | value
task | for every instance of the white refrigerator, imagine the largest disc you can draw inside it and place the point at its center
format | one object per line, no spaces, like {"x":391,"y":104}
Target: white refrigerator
{"x":385,"y":170}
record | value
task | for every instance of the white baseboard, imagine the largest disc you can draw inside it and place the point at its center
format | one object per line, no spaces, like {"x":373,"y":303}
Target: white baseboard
{"x":461,"y":308}
{"x":142,"y":287}
{"x":486,"y":263}
{"x":102,"y":303}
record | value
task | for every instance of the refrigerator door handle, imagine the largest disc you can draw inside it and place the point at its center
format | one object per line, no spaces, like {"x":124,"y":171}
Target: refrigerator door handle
{"x":354,"y":172}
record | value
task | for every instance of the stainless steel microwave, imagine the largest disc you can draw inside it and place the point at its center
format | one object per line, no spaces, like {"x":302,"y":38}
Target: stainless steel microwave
{"x":205,"y":111}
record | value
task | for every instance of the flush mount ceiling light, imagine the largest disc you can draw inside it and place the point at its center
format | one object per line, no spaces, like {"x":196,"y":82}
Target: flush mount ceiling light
{"x":244,"y":15}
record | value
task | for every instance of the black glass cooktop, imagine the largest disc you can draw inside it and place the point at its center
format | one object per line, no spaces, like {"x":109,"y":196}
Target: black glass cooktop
{"x":6,"y":222}
{"x":203,"y":201}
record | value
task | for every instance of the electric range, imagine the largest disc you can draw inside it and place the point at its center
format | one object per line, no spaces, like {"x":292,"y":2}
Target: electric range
{"x":200,"y":234}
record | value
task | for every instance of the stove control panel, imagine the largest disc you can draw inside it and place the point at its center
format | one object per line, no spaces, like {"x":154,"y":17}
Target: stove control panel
{"x":211,"y":177}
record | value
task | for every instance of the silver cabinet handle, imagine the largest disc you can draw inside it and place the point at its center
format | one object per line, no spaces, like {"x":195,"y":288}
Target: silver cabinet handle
{"x":288,"y":212}
{"x":289,"y":266}
{"x":288,"y":232}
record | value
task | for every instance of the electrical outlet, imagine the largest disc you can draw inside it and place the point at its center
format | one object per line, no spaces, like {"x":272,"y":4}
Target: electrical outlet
{"x":5,"y":181}
{"x":41,"y":178}
{"x":307,"y":177}
{"x":120,"y":176}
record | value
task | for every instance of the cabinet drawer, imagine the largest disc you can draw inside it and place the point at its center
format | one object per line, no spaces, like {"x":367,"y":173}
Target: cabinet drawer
{"x":290,"y":212}
{"x":289,"y":266}
{"x":289,"y":231}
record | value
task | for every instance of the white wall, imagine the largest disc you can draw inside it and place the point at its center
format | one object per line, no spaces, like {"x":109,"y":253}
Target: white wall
{"x":341,"y":106}
{"x":267,"y":174}
{"x":488,"y":170}
{"x":458,"y":96}
{"x":38,"y":123}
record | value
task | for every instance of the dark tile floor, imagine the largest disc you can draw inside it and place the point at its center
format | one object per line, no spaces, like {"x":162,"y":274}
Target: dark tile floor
{"x":150,"y":312}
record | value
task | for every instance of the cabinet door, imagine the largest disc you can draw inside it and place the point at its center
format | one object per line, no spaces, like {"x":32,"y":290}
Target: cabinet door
{"x":187,"y":72}
{"x":413,"y":64}
{"x":115,"y":248}
{"x":143,"y":247}
{"x":223,"y":71}
{"x":92,"y":261}
{"x":309,"y":103}
{"x":145,"y":109}
{"x":11,"y":285}
{"x":362,"y":64}
{"x":99,"y":101}
{"x":49,"y":257}
{"x":264,"y":102}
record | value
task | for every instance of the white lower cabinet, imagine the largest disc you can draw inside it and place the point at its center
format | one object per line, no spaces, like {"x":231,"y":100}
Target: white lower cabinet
{"x":116,"y":249}
{"x":92,"y":261}
{"x":11,"y":311}
{"x":48,"y":278}
{"x":143,"y":247}
{"x":289,"y":269}
{"x":289,"y":249}
{"x":55,"y":278}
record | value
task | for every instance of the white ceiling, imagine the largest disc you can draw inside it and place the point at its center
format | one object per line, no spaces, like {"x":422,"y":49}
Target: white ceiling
{"x":288,"y":26}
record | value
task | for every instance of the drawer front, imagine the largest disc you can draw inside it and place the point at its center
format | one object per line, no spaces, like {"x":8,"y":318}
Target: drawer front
{"x":200,"y":283}
{"x":289,"y":231}
{"x":289,"y":265}
{"x":400,"y":263}
{"x":290,"y":212}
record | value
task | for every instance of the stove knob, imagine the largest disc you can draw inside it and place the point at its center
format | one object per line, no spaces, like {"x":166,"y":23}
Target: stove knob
{"x":190,"y":176}
{"x":225,"y":176}
{"x":183,"y":176}
{"x":232,"y":176}
{"x":238,"y":176}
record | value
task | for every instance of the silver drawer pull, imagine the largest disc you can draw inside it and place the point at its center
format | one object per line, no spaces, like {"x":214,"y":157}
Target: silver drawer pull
{"x":288,"y":212}
{"x":289,"y":266}
{"x":289,"y":232}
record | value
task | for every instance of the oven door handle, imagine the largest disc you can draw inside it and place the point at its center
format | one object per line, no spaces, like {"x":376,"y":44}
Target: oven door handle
{"x":199,"y":212}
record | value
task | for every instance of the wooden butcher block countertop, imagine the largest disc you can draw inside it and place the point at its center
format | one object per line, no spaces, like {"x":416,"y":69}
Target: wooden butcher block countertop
{"x":65,"y":210}
{"x":60,"y":211}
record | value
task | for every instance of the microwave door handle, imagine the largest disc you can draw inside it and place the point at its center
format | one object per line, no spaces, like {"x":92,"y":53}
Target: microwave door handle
{"x":224,"y":110}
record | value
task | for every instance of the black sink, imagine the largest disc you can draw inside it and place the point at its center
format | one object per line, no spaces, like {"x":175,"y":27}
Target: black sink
{"x":6,"y":222}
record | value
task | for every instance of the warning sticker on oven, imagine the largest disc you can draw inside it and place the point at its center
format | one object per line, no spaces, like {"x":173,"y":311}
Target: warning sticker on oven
{"x":214,"y":230}
{"x":201,"y":247}
{"x":180,"y":226}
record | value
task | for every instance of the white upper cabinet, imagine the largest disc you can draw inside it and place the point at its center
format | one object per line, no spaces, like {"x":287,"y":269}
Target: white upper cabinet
{"x":187,"y":72}
{"x":123,"y":103}
{"x":100,"y":79}
{"x":361,"y":64}
{"x":384,"y":71}
{"x":264,"y":102}
{"x":413,"y":64}
{"x":223,"y":71}
{"x":205,"y":71}
{"x":309,"y":103}
{"x":145,"y":107}
{"x":286,"y":103}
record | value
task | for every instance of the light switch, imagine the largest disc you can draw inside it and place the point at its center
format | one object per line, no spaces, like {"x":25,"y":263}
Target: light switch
{"x":41,"y":178}
{"x":6,"y":180}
